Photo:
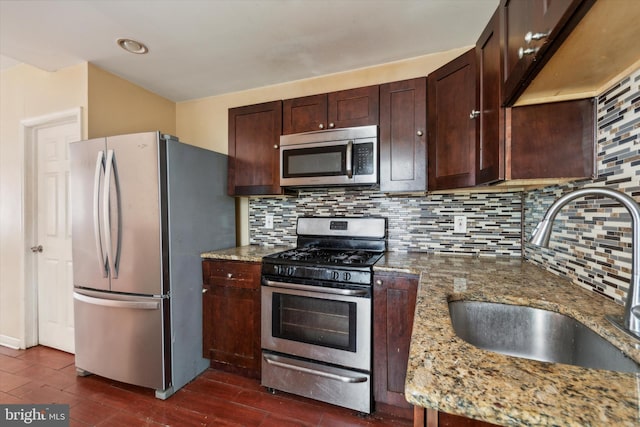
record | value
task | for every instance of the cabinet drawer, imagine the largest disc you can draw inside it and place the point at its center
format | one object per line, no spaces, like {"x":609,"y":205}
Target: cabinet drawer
{"x":231,"y":273}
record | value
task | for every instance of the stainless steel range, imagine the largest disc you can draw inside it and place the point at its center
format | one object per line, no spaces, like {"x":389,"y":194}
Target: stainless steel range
{"x":317,"y":311}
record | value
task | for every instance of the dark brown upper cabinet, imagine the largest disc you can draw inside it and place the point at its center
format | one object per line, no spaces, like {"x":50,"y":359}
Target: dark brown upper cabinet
{"x":533,"y":31}
{"x":452,"y":127}
{"x":345,"y":108}
{"x":403,"y":136}
{"x":490,"y":138}
{"x":553,"y":140}
{"x":254,"y":157}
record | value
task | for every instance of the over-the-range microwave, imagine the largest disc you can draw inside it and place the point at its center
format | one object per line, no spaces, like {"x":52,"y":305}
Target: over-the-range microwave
{"x":334,"y":157}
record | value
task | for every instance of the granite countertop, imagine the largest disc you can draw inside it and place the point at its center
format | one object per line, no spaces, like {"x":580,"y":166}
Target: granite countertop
{"x":250,"y":253}
{"x":450,"y":375}
{"x":447,"y":374}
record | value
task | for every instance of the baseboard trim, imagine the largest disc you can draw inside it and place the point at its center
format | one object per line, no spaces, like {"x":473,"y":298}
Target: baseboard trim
{"x":10,"y":342}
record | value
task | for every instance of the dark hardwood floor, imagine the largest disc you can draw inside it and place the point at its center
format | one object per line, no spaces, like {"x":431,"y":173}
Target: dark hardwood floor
{"x":44,"y":375}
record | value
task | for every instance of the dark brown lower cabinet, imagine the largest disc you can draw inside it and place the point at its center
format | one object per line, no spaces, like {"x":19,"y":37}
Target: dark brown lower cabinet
{"x":231,"y":316}
{"x":431,"y":418}
{"x":394,"y":301}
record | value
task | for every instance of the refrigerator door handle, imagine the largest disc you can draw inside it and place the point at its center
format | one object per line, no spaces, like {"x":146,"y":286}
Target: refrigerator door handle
{"x":110,"y":171}
{"x":138,"y":305}
{"x":99,"y":171}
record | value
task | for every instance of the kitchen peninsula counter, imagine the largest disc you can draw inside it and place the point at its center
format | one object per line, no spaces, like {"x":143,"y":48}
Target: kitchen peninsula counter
{"x":447,"y":374}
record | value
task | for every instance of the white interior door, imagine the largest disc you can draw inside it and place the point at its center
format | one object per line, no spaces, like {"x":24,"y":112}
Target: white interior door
{"x":54,"y":266}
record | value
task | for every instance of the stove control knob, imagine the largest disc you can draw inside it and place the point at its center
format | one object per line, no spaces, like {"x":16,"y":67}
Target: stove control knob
{"x":379,"y":282}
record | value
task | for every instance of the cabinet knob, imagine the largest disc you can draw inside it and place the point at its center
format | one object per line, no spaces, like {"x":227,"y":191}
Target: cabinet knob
{"x":378,"y":282}
{"x":275,"y":146}
{"x":229,"y":276}
{"x":204,"y":290}
{"x":332,"y":125}
{"x":321,"y":126}
{"x":419,"y":133}
{"x":530,"y":36}
{"x":474,"y":114}
{"x":522,"y":52}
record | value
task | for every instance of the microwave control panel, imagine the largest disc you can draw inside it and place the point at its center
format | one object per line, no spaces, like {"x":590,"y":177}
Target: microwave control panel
{"x":363,"y":159}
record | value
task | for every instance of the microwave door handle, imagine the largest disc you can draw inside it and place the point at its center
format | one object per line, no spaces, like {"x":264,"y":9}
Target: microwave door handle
{"x":349,"y":160}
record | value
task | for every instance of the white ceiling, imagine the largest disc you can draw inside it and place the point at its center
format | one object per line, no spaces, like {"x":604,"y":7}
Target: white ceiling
{"x":200,"y":48}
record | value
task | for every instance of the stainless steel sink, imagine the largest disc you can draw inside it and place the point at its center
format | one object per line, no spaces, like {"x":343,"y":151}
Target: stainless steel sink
{"x":537,"y":334}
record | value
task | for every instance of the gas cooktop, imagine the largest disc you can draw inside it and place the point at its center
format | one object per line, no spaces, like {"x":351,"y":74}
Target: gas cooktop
{"x":324,"y":256}
{"x":330,"y":252}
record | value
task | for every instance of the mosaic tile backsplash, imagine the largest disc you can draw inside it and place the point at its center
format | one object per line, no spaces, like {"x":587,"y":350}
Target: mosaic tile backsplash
{"x":417,"y":224}
{"x":591,"y":241}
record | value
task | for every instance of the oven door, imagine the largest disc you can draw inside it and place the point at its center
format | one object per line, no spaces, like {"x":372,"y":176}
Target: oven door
{"x":314,"y":323}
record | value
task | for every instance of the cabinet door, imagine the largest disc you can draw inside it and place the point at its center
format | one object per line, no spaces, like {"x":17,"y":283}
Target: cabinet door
{"x":403,"y":139}
{"x":254,"y":158}
{"x":555,"y":140}
{"x":304,"y":114}
{"x":353,"y":107}
{"x":451,"y":97}
{"x":490,"y":143}
{"x":394,"y":301}
{"x":231,"y":316}
{"x":345,"y":108}
{"x":518,"y":20}
{"x":548,"y":22}
{"x":549,"y":13}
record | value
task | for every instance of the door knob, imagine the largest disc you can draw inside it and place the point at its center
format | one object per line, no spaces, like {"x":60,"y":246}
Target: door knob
{"x":36,"y":248}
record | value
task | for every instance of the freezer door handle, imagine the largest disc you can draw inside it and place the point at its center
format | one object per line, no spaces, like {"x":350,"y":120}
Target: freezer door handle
{"x":99,"y":171}
{"x":137,"y":305}
{"x":111,"y":174}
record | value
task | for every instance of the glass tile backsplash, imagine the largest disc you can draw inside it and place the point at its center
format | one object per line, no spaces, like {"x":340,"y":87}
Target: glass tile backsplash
{"x":415,"y":223}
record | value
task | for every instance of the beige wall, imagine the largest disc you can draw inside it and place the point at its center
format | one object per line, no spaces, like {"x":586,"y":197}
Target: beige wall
{"x":204,"y":122}
{"x":110,"y":105}
{"x":25,"y":92}
{"x":118,"y":106}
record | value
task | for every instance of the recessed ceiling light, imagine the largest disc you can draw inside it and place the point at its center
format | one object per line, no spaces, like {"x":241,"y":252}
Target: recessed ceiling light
{"x":132,"y":46}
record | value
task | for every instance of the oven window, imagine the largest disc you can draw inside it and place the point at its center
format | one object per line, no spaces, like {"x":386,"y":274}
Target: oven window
{"x":318,"y":161}
{"x":324,"y":322}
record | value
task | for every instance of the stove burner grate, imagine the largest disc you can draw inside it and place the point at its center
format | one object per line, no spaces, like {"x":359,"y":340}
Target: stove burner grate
{"x":326,"y":256}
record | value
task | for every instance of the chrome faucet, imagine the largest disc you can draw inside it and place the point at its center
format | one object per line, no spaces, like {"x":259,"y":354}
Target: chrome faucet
{"x":630,"y":321}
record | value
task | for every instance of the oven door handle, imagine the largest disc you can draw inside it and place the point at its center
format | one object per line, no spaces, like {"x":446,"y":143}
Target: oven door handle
{"x":336,"y":291}
{"x":292,"y":366}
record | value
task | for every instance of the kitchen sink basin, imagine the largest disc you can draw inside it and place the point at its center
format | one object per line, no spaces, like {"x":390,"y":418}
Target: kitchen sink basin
{"x":536,"y":334}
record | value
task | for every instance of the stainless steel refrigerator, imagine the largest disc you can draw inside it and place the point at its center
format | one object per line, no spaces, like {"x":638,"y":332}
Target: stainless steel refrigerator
{"x":144,"y":207}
